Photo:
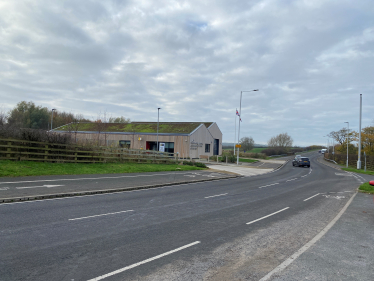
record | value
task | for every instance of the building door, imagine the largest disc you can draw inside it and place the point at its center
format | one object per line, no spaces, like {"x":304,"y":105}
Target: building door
{"x":216,"y":147}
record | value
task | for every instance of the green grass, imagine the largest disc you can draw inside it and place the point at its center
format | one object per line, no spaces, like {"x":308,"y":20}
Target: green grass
{"x":367,"y":188}
{"x":247,"y":160}
{"x":256,"y":150}
{"x":358,"y":171}
{"x":29,"y":168}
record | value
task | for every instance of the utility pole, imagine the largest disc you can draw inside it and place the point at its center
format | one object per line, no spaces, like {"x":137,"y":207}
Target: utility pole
{"x":53,"y":109}
{"x":359,"y":141}
{"x":158,"y":118}
{"x":347,"y":141}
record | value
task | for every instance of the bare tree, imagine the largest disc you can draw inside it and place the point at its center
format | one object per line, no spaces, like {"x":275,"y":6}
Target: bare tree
{"x":281,"y":140}
{"x":341,"y":135}
{"x":247,"y":143}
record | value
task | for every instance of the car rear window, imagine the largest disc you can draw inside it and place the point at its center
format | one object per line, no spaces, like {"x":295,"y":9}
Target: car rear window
{"x":304,"y":159}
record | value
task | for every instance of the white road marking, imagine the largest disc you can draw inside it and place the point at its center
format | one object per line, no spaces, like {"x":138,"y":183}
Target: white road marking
{"x":291,"y":179}
{"x":216,"y":195}
{"x":343,"y":174}
{"x":100,"y":215}
{"x":46,"y":185}
{"x":292,"y":258}
{"x":261,"y":164}
{"x":304,"y":176}
{"x":143,"y":262}
{"x":79,"y":179}
{"x":335,"y":197}
{"x":4,"y":188}
{"x":312,"y":197}
{"x":267,"y":216}
{"x":269,"y":185}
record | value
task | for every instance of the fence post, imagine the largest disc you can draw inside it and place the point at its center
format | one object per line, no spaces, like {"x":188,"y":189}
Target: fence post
{"x":226,"y":159}
{"x":75,"y":159}
{"x":46,"y":152}
{"x":9,"y":149}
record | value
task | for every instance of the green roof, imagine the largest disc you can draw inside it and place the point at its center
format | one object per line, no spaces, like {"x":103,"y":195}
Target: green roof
{"x":138,"y":127}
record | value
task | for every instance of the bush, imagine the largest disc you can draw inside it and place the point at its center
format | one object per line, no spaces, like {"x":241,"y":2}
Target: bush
{"x":197,"y":164}
{"x":275,"y":151}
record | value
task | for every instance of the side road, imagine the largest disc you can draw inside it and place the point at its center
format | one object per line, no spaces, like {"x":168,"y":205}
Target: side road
{"x":44,"y":187}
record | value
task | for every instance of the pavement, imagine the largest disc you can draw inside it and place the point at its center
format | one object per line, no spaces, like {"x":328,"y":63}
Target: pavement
{"x":344,"y":252}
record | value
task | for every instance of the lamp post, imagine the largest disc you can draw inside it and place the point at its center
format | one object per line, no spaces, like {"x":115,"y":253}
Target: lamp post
{"x":359,"y":141}
{"x":53,"y":109}
{"x":158,"y":118}
{"x":347,"y":141}
{"x":240,"y":112}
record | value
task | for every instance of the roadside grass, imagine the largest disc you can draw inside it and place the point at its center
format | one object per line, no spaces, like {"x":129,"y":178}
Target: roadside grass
{"x":247,"y":160}
{"x":256,"y":150}
{"x":29,"y":168}
{"x":366,"y":188}
{"x":358,"y":171}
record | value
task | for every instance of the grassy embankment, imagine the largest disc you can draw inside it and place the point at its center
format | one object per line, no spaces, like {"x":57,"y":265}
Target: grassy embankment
{"x":359,"y":171}
{"x":366,"y":188}
{"x":29,"y":168}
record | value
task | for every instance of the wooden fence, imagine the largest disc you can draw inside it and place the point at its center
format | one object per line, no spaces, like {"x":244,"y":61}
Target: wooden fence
{"x":20,"y":150}
{"x":352,"y":160}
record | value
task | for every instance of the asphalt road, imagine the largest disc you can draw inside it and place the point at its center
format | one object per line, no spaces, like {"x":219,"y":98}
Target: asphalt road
{"x":232,"y":229}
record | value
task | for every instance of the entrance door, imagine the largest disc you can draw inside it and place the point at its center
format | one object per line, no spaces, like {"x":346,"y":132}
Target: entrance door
{"x":216,"y":147}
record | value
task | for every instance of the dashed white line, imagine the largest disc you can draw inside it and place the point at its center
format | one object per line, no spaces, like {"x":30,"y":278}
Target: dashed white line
{"x":312,"y":196}
{"x":304,"y":176}
{"x":100,"y":215}
{"x":143,"y":262}
{"x":269,"y":185}
{"x":268,"y":216}
{"x":291,"y":179}
{"x":216,"y":195}
{"x":4,"y":188}
{"x":46,"y":185}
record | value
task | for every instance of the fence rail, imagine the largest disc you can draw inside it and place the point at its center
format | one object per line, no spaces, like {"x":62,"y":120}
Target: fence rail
{"x":352,"y":160}
{"x":21,"y":150}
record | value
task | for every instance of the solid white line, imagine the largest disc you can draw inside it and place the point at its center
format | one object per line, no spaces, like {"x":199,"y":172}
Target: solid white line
{"x":269,"y":185}
{"x":216,"y":195}
{"x":304,"y":176}
{"x":143,"y":262}
{"x":291,"y":179}
{"x":267,"y":216}
{"x":78,"y":179}
{"x":100,"y":215}
{"x":292,"y":258}
{"x":312,"y":197}
{"x":46,"y":185}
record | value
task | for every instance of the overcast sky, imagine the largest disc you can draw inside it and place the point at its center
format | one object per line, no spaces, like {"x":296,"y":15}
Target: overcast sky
{"x":310,"y":60}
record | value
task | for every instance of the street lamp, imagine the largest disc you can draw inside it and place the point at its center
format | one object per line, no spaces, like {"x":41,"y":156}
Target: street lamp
{"x":53,"y":109}
{"x":158,"y":118}
{"x":347,"y":141}
{"x":240,"y":112}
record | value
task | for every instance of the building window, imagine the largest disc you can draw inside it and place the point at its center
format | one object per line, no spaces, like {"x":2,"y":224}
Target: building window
{"x":125,"y":143}
{"x":207,"y":147}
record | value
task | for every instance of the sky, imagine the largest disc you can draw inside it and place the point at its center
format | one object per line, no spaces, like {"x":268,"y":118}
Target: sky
{"x":310,"y":60}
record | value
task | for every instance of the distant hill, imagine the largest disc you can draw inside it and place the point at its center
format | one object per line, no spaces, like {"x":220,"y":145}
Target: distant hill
{"x":230,"y":144}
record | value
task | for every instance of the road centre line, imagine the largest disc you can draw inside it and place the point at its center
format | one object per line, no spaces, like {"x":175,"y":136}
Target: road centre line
{"x":268,"y":216}
{"x":78,"y":179}
{"x":269,"y":185}
{"x":291,"y":179}
{"x":143,"y":262}
{"x":100,"y":215}
{"x":312,"y":197}
{"x":216,"y":195}
{"x":46,"y":185}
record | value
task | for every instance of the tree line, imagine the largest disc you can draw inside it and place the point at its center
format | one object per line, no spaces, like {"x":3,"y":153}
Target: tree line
{"x":30,"y":116}
{"x":341,"y":136}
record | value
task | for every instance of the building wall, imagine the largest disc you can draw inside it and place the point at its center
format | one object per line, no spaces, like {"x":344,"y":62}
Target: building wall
{"x":181,"y":143}
{"x":217,"y":134}
{"x":200,"y":137}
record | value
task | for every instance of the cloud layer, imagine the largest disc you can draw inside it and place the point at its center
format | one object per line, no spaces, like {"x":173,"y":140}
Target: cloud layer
{"x":310,"y":60}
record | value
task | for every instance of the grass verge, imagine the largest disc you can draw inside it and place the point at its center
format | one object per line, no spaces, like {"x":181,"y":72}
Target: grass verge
{"x":358,"y":171}
{"x":247,"y":160}
{"x":29,"y":168}
{"x":367,"y":188}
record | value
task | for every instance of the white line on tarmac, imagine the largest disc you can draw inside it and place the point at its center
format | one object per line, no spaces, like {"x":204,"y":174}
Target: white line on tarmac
{"x":4,"y":188}
{"x":312,"y":197}
{"x":269,"y":185}
{"x":304,"y":176}
{"x":143,"y":262}
{"x":267,"y":216}
{"x":292,"y":258}
{"x":291,"y":179}
{"x":79,"y":179}
{"x":100,"y":215}
{"x":216,"y":195}
{"x":46,"y":185}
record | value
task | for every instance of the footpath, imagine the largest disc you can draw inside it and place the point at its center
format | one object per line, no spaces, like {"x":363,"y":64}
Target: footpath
{"x":344,"y":250}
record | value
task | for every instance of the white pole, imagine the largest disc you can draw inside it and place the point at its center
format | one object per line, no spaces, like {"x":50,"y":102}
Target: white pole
{"x":235,"y":131}
{"x":347,"y":141}
{"x":240,"y":116}
{"x":359,"y":141}
{"x":158,"y":118}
